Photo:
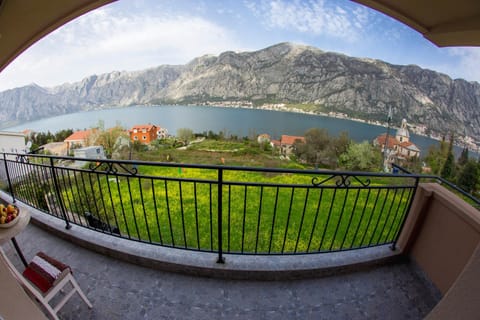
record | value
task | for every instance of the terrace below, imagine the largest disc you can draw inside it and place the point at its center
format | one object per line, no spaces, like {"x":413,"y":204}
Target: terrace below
{"x":122,"y":290}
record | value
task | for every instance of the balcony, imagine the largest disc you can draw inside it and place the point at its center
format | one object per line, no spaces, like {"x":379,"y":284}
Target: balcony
{"x":122,"y":290}
{"x":323,"y":238}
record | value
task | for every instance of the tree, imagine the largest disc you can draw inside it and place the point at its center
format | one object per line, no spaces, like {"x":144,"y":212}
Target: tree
{"x":413,"y":164}
{"x":40,"y":138}
{"x":212,"y":135}
{"x":184,"y":135}
{"x":468,"y":177}
{"x":463,"y":159}
{"x":436,"y":156}
{"x":320,"y":148}
{"x":109,"y":138}
{"x":448,"y":169}
{"x":361,"y":157}
{"x":63,"y":134}
{"x":137,"y":146}
{"x":340,"y":145}
{"x":316,"y":146}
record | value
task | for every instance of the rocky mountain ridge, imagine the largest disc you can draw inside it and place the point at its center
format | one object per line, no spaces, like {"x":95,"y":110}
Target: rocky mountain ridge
{"x":283,"y":73}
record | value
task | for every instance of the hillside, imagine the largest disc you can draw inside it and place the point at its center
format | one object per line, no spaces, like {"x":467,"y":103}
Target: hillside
{"x":285,"y":72}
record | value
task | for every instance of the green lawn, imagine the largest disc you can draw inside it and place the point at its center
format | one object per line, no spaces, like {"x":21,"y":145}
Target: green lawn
{"x":218,"y":152}
{"x":225,"y":146}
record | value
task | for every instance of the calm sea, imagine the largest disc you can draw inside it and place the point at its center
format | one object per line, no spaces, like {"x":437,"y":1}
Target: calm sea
{"x":240,"y":122}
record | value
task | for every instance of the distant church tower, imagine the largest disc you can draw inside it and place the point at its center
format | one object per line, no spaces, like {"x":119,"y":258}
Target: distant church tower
{"x":402,"y":133}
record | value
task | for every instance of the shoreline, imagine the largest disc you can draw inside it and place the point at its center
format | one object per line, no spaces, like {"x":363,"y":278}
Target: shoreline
{"x":337,"y":115}
{"x":267,"y":107}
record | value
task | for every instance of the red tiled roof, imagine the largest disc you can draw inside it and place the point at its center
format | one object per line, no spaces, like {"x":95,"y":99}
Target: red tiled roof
{"x":275,"y":142}
{"x":409,"y":145}
{"x":406,"y":144}
{"x":392,"y":142}
{"x":79,"y":135}
{"x":143,"y":126}
{"x":290,"y":140}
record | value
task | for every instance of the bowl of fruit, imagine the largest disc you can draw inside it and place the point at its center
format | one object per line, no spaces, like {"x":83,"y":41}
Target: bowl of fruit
{"x":8,"y":215}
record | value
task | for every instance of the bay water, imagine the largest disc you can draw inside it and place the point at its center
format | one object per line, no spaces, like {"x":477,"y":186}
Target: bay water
{"x":232,"y":121}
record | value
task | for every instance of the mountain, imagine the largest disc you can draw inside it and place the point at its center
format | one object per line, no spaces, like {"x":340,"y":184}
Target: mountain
{"x":285,"y":72}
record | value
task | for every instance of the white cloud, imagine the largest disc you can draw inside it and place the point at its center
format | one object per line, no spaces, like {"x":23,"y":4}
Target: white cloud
{"x":314,"y":17}
{"x":467,"y":66}
{"x":106,"y":40}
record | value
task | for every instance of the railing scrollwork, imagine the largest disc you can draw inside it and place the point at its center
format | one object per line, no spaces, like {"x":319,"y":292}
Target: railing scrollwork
{"x":111,"y":168}
{"x":342,"y":181}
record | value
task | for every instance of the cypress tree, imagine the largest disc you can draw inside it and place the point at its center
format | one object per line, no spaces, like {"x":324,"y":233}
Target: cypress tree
{"x":463,"y":157}
{"x":449,"y":165}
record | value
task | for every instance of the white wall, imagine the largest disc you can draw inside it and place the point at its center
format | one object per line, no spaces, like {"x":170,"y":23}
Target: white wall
{"x":13,"y":142}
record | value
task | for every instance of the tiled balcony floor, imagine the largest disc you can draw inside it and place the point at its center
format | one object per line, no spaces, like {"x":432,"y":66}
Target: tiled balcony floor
{"x":119,"y":290}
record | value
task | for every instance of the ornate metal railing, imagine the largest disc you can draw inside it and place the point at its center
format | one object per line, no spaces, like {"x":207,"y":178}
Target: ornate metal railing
{"x":216,"y":208}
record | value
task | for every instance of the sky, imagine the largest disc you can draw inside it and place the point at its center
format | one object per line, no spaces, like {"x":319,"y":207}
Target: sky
{"x":133,"y":35}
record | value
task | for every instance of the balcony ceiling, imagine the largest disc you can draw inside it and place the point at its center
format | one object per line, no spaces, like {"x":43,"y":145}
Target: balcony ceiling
{"x":444,"y":22}
{"x":23,"y":22}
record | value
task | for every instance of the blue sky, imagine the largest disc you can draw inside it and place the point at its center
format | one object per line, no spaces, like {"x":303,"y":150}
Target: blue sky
{"x":138,"y":34}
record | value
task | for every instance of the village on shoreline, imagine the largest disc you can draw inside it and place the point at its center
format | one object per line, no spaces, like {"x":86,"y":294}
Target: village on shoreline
{"x":418,"y":129}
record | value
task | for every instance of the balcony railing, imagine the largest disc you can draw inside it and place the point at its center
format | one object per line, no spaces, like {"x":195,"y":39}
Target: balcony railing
{"x":217,"y":209}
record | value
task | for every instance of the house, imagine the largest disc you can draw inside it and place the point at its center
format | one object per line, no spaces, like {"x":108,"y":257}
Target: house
{"x":408,"y":149}
{"x":28,"y":133}
{"x":162,"y":133}
{"x":144,"y":133}
{"x":13,"y":142}
{"x":287,"y":143}
{"x":398,"y":146}
{"x":275,"y":144}
{"x":263,"y":138}
{"x":77,"y":139}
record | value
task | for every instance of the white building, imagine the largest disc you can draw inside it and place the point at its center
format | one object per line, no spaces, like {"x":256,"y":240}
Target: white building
{"x":398,"y":146}
{"x":93,"y":152}
{"x":12,"y":142}
{"x":162,"y":133}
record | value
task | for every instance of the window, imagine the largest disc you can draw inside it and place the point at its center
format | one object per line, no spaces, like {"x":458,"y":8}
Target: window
{"x":135,"y":130}
{"x":144,"y":131}
{"x":144,"y":137}
{"x":135,"y":138}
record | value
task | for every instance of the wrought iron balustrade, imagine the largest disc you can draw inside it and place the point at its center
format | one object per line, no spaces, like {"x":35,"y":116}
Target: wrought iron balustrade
{"x":218,"y":209}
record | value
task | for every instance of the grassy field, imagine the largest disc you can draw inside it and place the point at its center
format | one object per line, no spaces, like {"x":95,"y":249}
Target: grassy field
{"x":214,"y":152}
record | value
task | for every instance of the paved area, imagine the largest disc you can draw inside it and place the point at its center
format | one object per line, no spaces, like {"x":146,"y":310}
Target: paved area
{"x":120,"y":290}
